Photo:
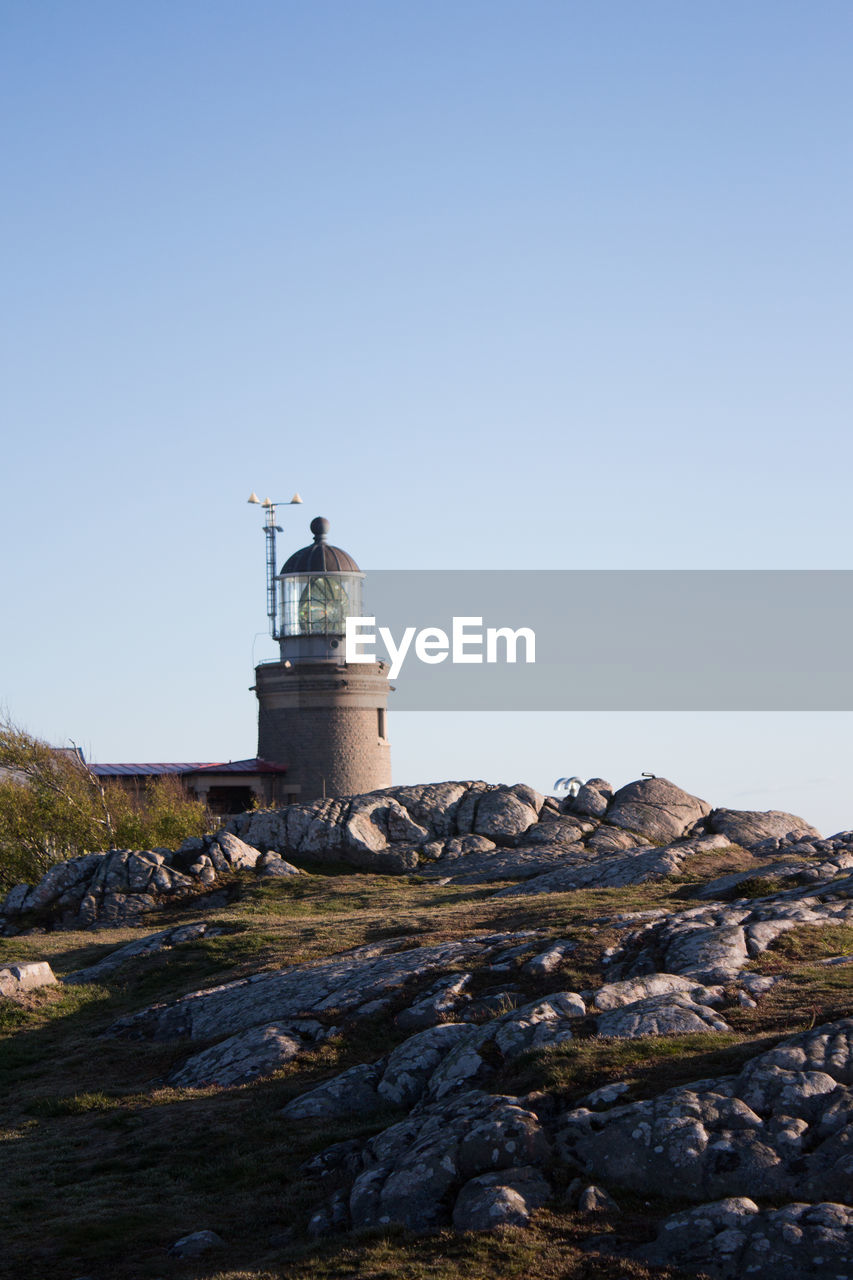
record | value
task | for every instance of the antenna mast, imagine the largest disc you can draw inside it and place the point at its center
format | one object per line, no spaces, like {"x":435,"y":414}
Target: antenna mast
{"x":270,"y":530}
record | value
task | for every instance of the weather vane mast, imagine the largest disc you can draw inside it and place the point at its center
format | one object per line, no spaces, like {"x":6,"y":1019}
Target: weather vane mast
{"x":270,"y":530}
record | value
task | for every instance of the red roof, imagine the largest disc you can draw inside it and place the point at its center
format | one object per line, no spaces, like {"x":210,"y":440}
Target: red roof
{"x":255,"y":765}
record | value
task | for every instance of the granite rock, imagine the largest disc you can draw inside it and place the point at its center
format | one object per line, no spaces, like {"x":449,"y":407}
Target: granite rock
{"x":504,"y":1199}
{"x":581,"y":867}
{"x":657,"y":809}
{"x":247,"y":1056}
{"x":783,"y":1125}
{"x":414,"y":1172}
{"x":346,"y":984}
{"x":153,"y":944}
{"x":732,"y":1238}
{"x":748,"y":828}
{"x":19,"y":977}
{"x":661,"y":1015}
{"x":592,"y":799}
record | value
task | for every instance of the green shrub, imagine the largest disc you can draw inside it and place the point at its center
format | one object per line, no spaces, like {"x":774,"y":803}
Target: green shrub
{"x":160,"y":814}
{"x":53,"y":807}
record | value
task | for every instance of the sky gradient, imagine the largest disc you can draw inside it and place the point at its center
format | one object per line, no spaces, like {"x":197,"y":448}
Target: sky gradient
{"x":493,"y":286}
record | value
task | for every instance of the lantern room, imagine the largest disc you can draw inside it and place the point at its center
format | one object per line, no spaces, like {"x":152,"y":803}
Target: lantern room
{"x":319,"y":587}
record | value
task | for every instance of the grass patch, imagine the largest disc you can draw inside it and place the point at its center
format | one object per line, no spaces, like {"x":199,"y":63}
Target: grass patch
{"x":12,"y":1016}
{"x":762,"y":886}
{"x":650,"y":1064}
{"x":813,"y":942}
{"x":79,"y":1104}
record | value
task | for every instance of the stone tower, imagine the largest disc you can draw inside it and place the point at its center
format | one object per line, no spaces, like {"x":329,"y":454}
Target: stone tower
{"x":322,"y":717}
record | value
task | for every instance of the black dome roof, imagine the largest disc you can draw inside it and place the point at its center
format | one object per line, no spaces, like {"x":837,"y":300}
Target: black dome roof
{"x":321,"y":556}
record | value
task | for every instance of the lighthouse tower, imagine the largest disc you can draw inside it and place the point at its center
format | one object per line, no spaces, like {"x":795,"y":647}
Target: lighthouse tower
{"x":322,"y":717}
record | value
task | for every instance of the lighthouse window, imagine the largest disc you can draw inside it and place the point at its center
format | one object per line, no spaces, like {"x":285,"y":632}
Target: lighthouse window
{"x":322,"y":607}
{"x":318,"y":604}
{"x":380,"y":715}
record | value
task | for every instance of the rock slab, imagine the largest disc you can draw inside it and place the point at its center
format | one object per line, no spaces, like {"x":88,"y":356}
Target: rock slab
{"x":27,"y":975}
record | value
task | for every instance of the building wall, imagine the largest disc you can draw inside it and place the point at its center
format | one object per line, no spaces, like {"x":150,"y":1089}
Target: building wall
{"x":324,"y":722}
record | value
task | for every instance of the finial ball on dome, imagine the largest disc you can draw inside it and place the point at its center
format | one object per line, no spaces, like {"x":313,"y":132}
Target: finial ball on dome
{"x":320,"y":556}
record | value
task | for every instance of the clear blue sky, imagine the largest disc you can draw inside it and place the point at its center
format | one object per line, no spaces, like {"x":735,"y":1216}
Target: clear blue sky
{"x":493,"y":285}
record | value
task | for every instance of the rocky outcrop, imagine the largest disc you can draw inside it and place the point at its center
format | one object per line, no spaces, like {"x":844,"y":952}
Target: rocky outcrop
{"x":592,"y":798}
{"x":416,"y":1172}
{"x":249,"y":1055}
{"x":664,"y":977}
{"x":504,"y":1199}
{"x":357,"y":983}
{"x":540,"y":1023}
{"x":390,"y":831}
{"x":733,"y":1238}
{"x":616,"y":995}
{"x":714,"y":943}
{"x":458,"y":1021}
{"x":672,"y":1014}
{"x":782,"y":1127}
{"x":121,"y":886}
{"x":526,"y":863}
{"x":305,"y":1003}
{"x":455,"y":832}
{"x":152,"y":945}
{"x":749,"y":829}
{"x":396,"y":1081}
{"x":473,"y":833}
{"x":657,"y":809}
{"x":436,"y":1005}
{"x":103,"y":888}
{"x":581,"y":867}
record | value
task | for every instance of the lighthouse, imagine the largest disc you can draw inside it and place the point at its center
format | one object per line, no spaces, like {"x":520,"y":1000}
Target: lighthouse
{"x":324,"y":718}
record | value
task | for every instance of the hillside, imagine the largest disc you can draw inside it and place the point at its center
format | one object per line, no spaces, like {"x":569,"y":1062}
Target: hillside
{"x":445,"y":1031}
